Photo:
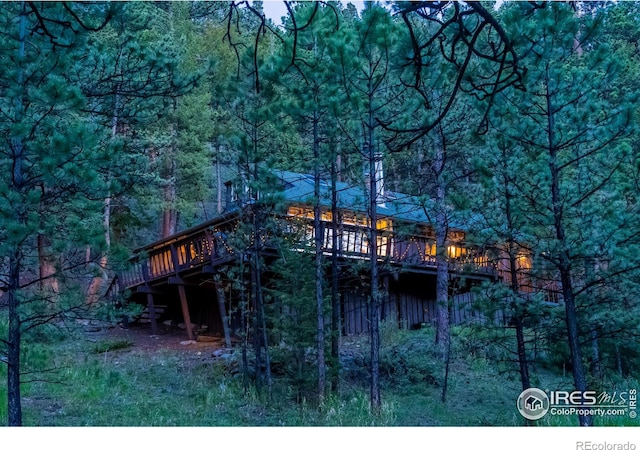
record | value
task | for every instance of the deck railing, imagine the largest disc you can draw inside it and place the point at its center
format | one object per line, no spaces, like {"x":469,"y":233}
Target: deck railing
{"x":209,"y":246}
{"x":201,"y":247}
{"x":353,"y":241}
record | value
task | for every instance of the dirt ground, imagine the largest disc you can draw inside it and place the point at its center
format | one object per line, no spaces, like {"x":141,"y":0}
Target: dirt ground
{"x":168,"y":338}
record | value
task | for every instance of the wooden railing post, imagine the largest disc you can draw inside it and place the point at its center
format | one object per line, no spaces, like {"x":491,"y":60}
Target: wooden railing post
{"x":145,"y":272}
{"x":210,"y":244}
{"x":174,"y":258}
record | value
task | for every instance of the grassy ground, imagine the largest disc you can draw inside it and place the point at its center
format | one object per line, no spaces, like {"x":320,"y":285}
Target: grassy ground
{"x":109,"y":380}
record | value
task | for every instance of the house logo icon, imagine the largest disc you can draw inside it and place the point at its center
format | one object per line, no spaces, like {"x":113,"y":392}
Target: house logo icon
{"x":533,"y":403}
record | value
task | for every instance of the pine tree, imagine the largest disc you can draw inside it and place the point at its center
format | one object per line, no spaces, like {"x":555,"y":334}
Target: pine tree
{"x":50,"y":182}
{"x":571,"y":127}
{"x":372,"y":87}
{"x":130,"y":75}
{"x":311,"y":95}
{"x":256,"y":134}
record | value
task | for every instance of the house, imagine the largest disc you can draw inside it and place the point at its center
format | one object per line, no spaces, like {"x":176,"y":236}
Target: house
{"x":184,"y":276}
{"x":533,"y":403}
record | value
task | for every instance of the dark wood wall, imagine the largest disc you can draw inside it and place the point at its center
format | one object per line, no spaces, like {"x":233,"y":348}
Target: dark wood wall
{"x":410,"y":302}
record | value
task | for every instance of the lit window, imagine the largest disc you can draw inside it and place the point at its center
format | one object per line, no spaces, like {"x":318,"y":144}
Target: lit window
{"x":327,"y":216}
{"x":455,"y":251}
{"x":384,"y":224}
{"x":300,"y":212}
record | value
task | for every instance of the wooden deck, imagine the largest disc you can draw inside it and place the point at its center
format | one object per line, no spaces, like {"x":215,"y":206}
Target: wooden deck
{"x":199,"y":249}
{"x":166,"y":260}
{"x":184,"y":264}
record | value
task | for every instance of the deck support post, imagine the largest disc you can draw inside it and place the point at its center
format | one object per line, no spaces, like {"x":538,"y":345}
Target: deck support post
{"x":185,"y":310}
{"x":152,"y":314}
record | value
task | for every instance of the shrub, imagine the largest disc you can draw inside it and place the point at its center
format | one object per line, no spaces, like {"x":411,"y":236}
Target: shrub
{"x":109,"y":346}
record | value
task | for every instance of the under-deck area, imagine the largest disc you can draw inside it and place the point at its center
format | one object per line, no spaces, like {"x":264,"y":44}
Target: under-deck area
{"x":183,"y":278}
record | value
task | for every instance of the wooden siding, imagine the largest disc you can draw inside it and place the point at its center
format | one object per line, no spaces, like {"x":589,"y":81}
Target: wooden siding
{"x":409,"y":311}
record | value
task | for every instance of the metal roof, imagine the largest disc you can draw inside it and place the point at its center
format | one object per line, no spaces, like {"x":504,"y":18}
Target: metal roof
{"x":299,"y":188}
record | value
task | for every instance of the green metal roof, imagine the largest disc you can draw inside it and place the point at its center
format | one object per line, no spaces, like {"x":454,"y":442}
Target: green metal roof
{"x":299,"y":188}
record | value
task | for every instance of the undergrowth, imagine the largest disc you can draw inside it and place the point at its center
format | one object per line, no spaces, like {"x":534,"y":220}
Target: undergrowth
{"x":110,"y":382}
{"x":109,"y":345}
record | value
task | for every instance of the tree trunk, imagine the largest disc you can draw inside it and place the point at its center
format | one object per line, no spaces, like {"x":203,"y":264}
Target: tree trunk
{"x":374,"y":310}
{"x":244,"y":323}
{"x":223,"y":310}
{"x":442,"y":263}
{"x":514,"y":283}
{"x":618,"y":359}
{"x":517,"y":320}
{"x":447,"y":366}
{"x":564,"y":262}
{"x":335,"y":295}
{"x":442,"y":286}
{"x":522,"y":354}
{"x":46,"y":262}
{"x":261,"y":340}
{"x":257,"y":322}
{"x":14,"y":401}
{"x":374,"y":318}
{"x":96,"y":283}
{"x":93,"y":292}
{"x":597,"y":365}
{"x":374,"y":326}
{"x":219,"y":207}
{"x":577,"y":366}
{"x":265,"y":339}
{"x":14,"y":344}
{"x":260,"y":329}
{"x":319,"y":273}
{"x":169,"y":213}
{"x":443,"y":331}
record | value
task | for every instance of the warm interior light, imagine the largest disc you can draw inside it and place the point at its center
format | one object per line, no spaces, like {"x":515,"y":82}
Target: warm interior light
{"x":455,"y":251}
{"x":384,"y":224}
{"x":523,"y":261}
{"x":297,"y":211}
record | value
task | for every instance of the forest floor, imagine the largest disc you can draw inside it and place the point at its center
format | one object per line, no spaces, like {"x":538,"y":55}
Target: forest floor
{"x":112,"y":376}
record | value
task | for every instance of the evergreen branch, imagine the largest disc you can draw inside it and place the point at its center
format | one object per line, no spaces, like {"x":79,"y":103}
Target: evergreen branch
{"x":603,"y":280}
{"x":595,"y":149}
{"x":233,"y":7}
{"x":86,"y":27}
{"x":422,"y":131}
{"x":503,"y":53}
{"x":598,"y":186}
{"x":38,"y":320}
{"x":43,"y":28}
